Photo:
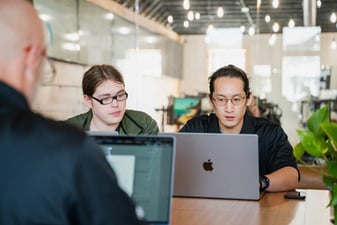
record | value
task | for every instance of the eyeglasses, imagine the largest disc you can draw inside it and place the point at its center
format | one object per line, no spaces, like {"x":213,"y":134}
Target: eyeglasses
{"x":108,"y":100}
{"x":222,"y":101}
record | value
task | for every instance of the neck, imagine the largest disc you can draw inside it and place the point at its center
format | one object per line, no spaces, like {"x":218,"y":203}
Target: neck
{"x":99,"y":126}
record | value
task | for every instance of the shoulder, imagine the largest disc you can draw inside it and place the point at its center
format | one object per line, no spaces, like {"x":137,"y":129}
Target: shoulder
{"x":266,"y":129}
{"x":137,"y":114}
{"x":80,"y":119}
{"x":253,"y":124}
{"x":138,"y":122}
{"x":51,"y":134}
{"x":267,"y":125}
{"x":203,"y":123}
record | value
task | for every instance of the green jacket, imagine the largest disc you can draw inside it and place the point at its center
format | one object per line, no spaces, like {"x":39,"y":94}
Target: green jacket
{"x":133,"y":122}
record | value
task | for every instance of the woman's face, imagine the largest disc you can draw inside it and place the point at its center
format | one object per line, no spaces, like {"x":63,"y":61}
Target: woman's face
{"x":110,"y":115}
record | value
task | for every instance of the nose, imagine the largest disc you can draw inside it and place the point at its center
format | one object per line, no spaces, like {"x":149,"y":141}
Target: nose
{"x":114,"y":102}
{"x":229,"y":106}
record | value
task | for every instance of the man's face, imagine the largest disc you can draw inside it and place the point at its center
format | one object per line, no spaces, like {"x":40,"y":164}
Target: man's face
{"x":229,"y":112}
{"x":110,"y":114}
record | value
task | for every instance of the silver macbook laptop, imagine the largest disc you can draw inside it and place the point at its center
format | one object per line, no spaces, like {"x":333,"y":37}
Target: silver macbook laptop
{"x":217,"y":166}
{"x":144,"y":168}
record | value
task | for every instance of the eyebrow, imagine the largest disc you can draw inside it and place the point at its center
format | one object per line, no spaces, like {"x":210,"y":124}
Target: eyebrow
{"x":236,"y":95}
{"x":109,"y":95}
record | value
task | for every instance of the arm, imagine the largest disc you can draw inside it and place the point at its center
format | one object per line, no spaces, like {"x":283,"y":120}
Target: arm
{"x":276,"y":159}
{"x":283,"y":179}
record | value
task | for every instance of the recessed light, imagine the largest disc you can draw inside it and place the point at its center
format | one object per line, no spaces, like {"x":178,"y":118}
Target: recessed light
{"x":170,"y":19}
{"x":276,"y":27}
{"x":190,"y":15}
{"x":275,"y":4}
{"x":319,"y":3}
{"x":220,"y":12}
{"x":210,"y":28}
{"x":244,"y":9}
{"x":109,"y":16}
{"x":251,"y":30}
{"x":124,"y":30}
{"x":333,"y":17}
{"x":291,"y":23}
{"x":197,"y":15}
{"x":242,"y":29}
{"x":186,"y":4}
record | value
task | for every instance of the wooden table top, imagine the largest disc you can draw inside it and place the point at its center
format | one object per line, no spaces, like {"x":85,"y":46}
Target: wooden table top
{"x":271,"y":209}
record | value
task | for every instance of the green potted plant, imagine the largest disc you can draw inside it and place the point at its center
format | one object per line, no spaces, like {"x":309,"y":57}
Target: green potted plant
{"x":320,"y":140}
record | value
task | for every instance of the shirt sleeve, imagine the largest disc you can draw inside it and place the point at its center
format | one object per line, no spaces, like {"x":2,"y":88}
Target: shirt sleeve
{"x":277,"y":151}
{"x":152,"y":127}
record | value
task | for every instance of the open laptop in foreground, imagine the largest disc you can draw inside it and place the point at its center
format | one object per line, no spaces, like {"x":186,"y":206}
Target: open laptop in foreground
{"x":217,"y":166}
{"x":144,"y":168}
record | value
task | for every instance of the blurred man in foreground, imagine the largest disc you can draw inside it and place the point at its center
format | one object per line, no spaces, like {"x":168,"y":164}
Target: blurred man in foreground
{"x":50,"y":172}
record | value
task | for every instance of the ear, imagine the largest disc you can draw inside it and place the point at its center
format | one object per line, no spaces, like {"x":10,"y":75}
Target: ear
{"x":87,"y":101}
{"x":211,"y":101}
{"x":33,"y":61}
{"x":31,"y":66}
{"x":249,"y":99}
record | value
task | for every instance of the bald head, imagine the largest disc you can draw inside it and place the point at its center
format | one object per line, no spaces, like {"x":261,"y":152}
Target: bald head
{"x":22,"y":45}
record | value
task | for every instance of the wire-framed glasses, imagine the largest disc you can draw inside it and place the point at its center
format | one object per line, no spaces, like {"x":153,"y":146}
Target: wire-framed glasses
{"x":222,"y":101}
{"x":121,"y":96}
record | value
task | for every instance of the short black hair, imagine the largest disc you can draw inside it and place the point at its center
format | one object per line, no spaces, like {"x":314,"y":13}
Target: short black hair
{"x":230,"y":71}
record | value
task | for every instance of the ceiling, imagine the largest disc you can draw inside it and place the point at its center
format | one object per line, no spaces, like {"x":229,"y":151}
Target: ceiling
{"x":159,"y":10}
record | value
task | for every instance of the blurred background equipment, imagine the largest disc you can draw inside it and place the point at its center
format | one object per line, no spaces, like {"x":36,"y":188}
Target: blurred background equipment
{"x":263,"y":108}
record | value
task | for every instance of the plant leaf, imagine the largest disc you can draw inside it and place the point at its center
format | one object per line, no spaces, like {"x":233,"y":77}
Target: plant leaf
{"x":332,"y":168}
{"x":313,"y":145}
{"x":318,"y":117}
{"x":327,"y":181}
{"x":330,"y":130}
{"x":298,"y":151}
{"x":333,"y":201}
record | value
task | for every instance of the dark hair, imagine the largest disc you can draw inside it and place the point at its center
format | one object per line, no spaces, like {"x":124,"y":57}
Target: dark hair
{"x":96,"y":75}
{"x":229,"y":71}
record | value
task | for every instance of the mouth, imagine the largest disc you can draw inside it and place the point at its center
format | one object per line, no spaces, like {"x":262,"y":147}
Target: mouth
{"x":115,"y":113}
{"x":229,"y":118}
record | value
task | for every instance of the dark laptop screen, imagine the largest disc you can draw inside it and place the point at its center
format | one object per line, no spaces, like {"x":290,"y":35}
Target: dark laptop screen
{"x":143,"y":165}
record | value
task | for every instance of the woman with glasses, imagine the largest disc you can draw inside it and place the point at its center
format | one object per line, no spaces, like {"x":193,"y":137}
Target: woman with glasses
{"x":230,"y":96}
{"x":105,"y":95}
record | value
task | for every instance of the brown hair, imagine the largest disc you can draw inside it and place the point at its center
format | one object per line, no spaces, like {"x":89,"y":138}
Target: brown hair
{"x":96,"y":75}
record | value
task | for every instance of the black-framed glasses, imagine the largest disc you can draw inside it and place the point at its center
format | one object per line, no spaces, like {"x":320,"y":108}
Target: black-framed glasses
{"x":222,"y":101}
{"x":108,"y":100}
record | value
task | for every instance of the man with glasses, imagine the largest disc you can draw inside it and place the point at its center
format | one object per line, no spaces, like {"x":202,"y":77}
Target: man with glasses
{"x":104,"y":93}
{"x":230,"y":96}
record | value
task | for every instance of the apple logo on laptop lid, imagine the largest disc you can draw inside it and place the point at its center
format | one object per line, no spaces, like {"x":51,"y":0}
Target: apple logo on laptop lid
{"x":208,"y":165}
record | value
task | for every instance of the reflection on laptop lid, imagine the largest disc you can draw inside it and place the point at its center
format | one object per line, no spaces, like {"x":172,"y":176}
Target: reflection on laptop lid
{"x":144,"y":168}
{"x":217,"y":166}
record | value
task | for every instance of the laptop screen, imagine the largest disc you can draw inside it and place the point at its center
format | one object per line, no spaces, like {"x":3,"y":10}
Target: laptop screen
{"x":144,"y":169}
